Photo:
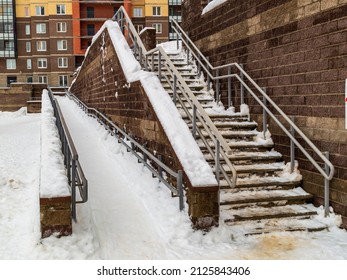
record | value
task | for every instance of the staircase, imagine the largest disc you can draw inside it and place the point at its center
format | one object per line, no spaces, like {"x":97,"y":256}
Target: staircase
{"x":267,"y":197}
{"x":259,"y":193}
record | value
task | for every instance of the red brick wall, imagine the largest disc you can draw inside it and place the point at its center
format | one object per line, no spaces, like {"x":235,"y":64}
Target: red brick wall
{"x":297,"y":49}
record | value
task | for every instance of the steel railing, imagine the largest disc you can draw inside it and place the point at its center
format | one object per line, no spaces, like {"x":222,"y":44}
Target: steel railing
{"x":155,"y":164}
{"x":165,"y":69}
{"x":73,"y":167}
{"x":248,"y":85}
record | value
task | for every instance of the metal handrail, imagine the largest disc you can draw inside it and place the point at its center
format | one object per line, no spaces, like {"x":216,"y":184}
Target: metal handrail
{"x":75,"y":174}
{"x":147,"y":158}
{"x":184,"y":37}
{"x":143,"y":56}
{"x":213,"y":73}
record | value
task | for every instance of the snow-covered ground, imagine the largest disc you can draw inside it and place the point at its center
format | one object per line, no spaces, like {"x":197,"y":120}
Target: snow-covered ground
{"x":129,"y":214}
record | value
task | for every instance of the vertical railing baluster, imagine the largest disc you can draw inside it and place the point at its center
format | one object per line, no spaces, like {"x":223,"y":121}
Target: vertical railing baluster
{"x":217,"y":86}
{"x":175,"y":89}
{"x":180,"y":189}
{"x":264,"y":115}
{"x":292,"y":148}
{"x":242,"y":89}
{"x":326,"y":187}
{"x":159,"y":65}
{"x":229,"y":87}
{"x":73,"y":188}
{"x":217,"y":162}
{"x":194,"y":122}
{"x":208,"y":77}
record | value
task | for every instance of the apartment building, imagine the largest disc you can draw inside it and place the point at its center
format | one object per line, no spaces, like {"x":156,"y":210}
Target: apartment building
{"x":41,"y":50}
{"x":45,"y":41}
{"x":175,"y":13}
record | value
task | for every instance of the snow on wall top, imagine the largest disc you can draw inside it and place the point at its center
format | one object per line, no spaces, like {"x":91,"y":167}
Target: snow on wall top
{"x":213,"y":4}
{"x":187,"y":151}
{"x":53,"y":176}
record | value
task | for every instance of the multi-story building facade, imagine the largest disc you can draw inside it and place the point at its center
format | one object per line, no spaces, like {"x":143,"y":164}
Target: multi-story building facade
{"x":45,"y":41}
{"x":88,"y":17}
{"x":43,"y":49}
{"x":175,"y":12}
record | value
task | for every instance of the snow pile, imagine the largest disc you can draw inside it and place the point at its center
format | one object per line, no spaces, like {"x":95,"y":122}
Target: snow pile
{"x":21,"y":112}
{"x":295,"y":175}
{"x":213,"y":4}
{"x":188,"y":152}
{"x":53,"y":179}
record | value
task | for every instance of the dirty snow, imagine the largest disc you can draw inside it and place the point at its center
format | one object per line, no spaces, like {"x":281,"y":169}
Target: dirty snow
{"x":213,"y":4}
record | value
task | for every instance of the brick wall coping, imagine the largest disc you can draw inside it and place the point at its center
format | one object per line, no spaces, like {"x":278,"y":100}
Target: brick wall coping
{"x":53,"y":182}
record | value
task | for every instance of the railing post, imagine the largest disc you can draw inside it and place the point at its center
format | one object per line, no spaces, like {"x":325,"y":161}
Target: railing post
{"x":177,"y":40}
{"x":159,"y":65}
{"x":229,"y":87}
{"x":208,"y":78}
{"x":199,"y":66}
{"x":217,"y":161}
{"x":194,"y":122}
{"x":326,"y":187}
{"x":292,"y":148}
{"x":73,"y":189}
{"x":174,"y":89}
{"x":180,"y":189}
{"x":146,"y":63}
{"x":188,"y":56}
{"x":140,"y":56}
{"x":217,"y":86}
{"x":242,"y":94}
{"x":160,"y":169}
{"x":152,"y":62}
{"x":264,"y":115}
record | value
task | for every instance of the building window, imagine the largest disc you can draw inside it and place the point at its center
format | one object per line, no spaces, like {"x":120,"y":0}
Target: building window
{"x":40,"y":10}
{"x":9,"y":45}
{"x":43,"y":79}
{"x":62,"y":62}
{"x":11,"y":79}
{"x":90,"y":29}
{"x":63,"y":80}
{"x":29,"y":79}
{"x":29,"y":66}
{"x":26,"y":11}
{"x":42,"y":63}
{"x":61,"y":27}
{"x":10,"y":64}
{"x":41,"y":46}
{"x":62,"y":45}
{"x":28,"y":46}
{"x":90,"y":12}
{"x":61,"y":9}
{"x":158,"y":27}
{"x":139,"y":27}
{"x":27,"y":29}
{"x":8,"y":27}
{"x":138,"y":12}
{"x":40,"y":28}
{"x":157,"y":11}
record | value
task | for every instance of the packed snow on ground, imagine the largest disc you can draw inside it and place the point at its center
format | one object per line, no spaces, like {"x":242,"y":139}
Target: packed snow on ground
{"x":129,"y":214}
{"x":213,"y":4}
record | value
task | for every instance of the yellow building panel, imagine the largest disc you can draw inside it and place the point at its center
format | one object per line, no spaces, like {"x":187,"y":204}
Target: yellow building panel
{"x":25,"y":8}
{"x":150,"y":4}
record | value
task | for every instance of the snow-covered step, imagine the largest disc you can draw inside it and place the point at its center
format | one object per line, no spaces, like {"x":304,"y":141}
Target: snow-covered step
{"x":192,"y":86}
{"x":235,"y":134}
{"x":256,"y":168}
{"x":230,"y":198}
{"x":250,"y":156}
{"x":276,"y":225}
{"x":261,"y":213}
{"x":256,"y":181}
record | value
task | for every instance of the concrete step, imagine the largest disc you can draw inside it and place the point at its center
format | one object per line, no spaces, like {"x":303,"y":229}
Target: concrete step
{"x":235,"y":134}
{"x":255,"y":168}
{"x":260,"y":213}
{"x":264,"y":181}
{"x":292,"y":224}
{"x":247,"y":157}
{"x":236,"y":198}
